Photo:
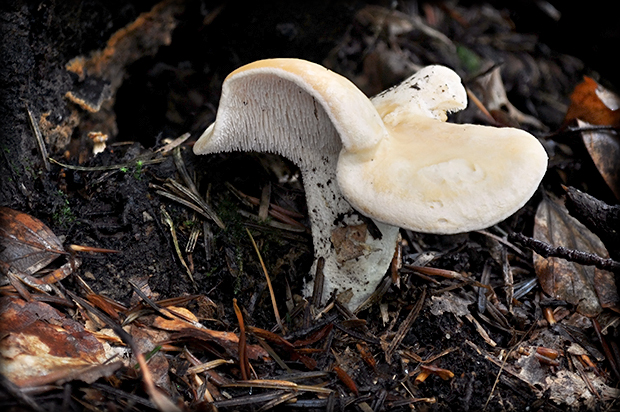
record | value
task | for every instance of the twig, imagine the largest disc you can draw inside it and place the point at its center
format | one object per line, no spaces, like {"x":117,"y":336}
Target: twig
{"x":263,"y":208}
{"x":273,"y":354}
{"x":579,"y":368}
{"x":173,"y":144}
{"x":404,"y":327}
{"x":168,"y":221}
{"x":581,"y":129}
{"x":502,"y":241}
{"x":247,"y":401}
{"x":193,"y":236}
{"x":508,"y":279}
{"x":356,"y":335}
{"x":131,"y":163}
{"x":449,"y":274}
{"x":319,"y":279}
{"x":148,"y":301}
{"x":596,"y":215}
{"x":207,"y":366}
{"x":39,"y":138}
{"x":277,"y":384}
{"x":117,"y":393}
{"x":181,"y":201}
{"x":277,"y":212}
{"x":502,"y":366}
{"x":546,"y":250}
{"x":283,"y":398}
{"x":605,"y":346}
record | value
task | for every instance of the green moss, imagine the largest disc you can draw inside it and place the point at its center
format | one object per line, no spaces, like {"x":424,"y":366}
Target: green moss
{"x":138,"y":170}
{"x":63,"y":216}
{"x":235,"y":231}
{"x":469,"y":59}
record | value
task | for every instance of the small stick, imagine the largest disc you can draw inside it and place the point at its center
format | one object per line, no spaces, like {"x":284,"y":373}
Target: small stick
{"x":176,"y":142}
{"x":148,"y":301}
{"x":131,"y":163}
{"x":404,"y":327}
{"x":583,"y":258}
{"x":485,"y":278}
{"x":193,"y":236}
{"x":319,"y":279}
{"x":168,"y":221}
{"x":606,"y":350}
{"x":502,"y":241}
{"x":508,"y":279}
{"x":180,"y":165}
{"x":39,"y":138}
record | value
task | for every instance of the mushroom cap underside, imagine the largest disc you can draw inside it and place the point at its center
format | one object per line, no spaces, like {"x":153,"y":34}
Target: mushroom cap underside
{"x":443,"y":178}
{"x":287,"y":106}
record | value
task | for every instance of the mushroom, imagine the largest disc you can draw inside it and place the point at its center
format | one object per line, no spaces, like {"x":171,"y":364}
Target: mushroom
{"x":436,"y":177}
{"x":392,"y":159}
{"x":99,"y":139}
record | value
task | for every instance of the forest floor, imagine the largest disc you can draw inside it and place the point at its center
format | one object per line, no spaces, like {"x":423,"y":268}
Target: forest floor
{"x":490,"y":329}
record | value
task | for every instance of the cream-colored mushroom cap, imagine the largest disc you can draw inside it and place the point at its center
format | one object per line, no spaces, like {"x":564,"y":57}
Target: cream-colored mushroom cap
{"x":436,"y":177}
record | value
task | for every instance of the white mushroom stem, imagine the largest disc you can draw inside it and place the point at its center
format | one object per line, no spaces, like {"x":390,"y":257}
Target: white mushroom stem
{"x":301,"y":111}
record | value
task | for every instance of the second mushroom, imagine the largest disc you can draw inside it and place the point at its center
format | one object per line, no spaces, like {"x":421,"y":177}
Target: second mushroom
{"x":392,"y":158}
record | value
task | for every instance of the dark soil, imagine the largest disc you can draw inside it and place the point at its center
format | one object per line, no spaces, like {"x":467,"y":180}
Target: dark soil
{"x":176,"y":90}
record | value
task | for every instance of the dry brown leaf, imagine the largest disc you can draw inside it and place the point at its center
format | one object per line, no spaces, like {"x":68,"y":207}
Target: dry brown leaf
{"x":146,"y":341}
{"x":41,"y":346}
{"x":604,"y":149}
{"x":492,"y":93}
{"x":592,"y":103}
{"x":29,"y":245}
{"x":588,"y":288}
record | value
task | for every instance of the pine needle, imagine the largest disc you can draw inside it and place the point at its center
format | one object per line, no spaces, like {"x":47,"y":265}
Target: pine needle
{"x":273,"y":296}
